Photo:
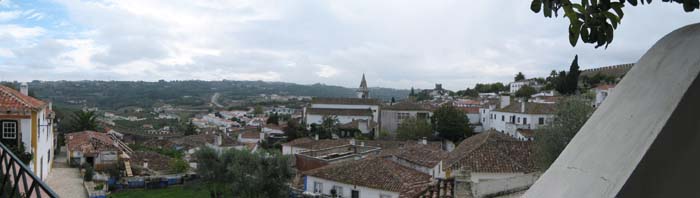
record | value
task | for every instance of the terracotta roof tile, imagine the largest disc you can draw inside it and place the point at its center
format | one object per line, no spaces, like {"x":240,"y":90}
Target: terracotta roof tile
{"x":341,"y":112}
{"x":90,"y":142}
{"x":424,"y":155}
{"x":491,"y":152}
{"x":378,"y":173}
{"x":13,"y":100}
{"x":530,"y":108}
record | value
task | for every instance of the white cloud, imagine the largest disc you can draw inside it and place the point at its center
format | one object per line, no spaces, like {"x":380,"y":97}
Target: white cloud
{"x":396,"y":43}
{"x":326,"y":71}
{"x":20,"y":32}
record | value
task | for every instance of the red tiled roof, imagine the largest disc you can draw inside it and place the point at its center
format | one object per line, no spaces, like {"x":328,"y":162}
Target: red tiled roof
{"x":13,"y":100}
{"x":492,"y":152}
{"x":425,"y":155}
{"x":89,"y":142}
{"x":308,"y":143}
{"x":604,"y":87}
{"x":341,"y":112}
{"x":377,"y":173}
{"x":250,"y":135}
{"x":471,"y":110}
{"x":530,"y":108}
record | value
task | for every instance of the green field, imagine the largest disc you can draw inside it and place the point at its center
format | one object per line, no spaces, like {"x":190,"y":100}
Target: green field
{"x":170,"y":192}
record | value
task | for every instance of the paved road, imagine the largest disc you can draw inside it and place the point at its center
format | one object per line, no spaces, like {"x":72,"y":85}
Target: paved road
{"x":66,"y":181}
{"x":215,"y":100}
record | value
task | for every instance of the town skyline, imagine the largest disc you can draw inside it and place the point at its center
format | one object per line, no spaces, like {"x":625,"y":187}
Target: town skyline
{"x":331,"y":43}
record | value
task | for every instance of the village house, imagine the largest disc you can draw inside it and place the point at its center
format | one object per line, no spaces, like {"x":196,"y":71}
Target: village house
{"x":423,"y":157}
{"x":490,"y":155}
{"x":371,"y":177}
{"x":29,"y":122}
{"x":392,"y":115}
{"x":520,"y":118}
{"x":515,"y":86}
{"x":89,"y":147}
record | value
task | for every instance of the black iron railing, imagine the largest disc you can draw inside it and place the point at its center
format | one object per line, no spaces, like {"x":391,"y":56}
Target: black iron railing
{"x":17,"y":180}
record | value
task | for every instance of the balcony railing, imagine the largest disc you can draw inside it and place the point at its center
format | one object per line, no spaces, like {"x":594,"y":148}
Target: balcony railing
{"x":17,"y":180}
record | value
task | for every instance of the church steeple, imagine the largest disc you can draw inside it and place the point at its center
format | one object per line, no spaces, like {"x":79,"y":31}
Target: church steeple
{"x":363,"y":91}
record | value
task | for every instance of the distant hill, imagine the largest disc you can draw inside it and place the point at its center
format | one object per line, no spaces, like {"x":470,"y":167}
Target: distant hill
{"x":117,"y":94}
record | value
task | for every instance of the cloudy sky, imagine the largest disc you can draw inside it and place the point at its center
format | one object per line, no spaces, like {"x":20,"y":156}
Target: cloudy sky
{"x":398,"y":44}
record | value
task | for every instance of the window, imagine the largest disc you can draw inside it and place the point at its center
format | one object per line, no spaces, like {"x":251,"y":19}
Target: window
{"x":384,"y":196}
{"x":9,"y":130}
{"x":541,"y":121}
{"x":524,"y":120}
{"x":318,"y":187}
{"x":338,"y":191}
{"x":402,"y":116}
{"x":518,"y":119}
{"x":355,"y":194}
{"x":503,"y":118}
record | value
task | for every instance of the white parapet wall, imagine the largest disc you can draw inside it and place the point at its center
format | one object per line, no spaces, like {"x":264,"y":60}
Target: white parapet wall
{"x":503,"y":186}
{"x":643,"y":141}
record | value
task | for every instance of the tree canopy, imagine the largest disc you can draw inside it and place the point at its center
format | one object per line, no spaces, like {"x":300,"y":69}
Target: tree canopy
{"x":84,"y":120}
{"x":451,"y":123}
{"x":551,"y":139}
{"x":413,"y":129}
{"x":244,"y":174}
{"x":595,"y":21}
{"x":525,"y":91}
{"x":520,"y":76}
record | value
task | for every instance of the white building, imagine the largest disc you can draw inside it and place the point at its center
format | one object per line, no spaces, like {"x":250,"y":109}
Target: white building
{"x":602,"y":92}
{"x":370,"y":177}
{"x":28,"y":121}
{"x":515,"y":86}
{"x":518,"y":119}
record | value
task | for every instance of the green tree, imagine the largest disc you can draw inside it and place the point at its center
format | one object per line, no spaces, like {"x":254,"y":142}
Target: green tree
{"x":294,"y":130}
{"x":525,"y":92}
{"x":258,"y":110}
{"x":189,"y":128}
{"x":551,"y":139}
{"x":572,"y":77}
{"x":84,"y":120}
{"x":451,"y":123}
{"x":520,"y":76}
{"x":329,"y":126}
{"x":414,"y":129}
{"x":89,"y":173}
{"x":595,"y":21}
{"x":244,"y":174}
{"x":273,"y":119}
{"x":178,"y":165}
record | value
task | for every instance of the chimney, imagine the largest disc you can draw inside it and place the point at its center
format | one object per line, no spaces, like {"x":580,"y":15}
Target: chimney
{"x":316,"y":137}
{"x":505,"y":100}
{"x":352,"y":141}
{"x":145,"y":163}
{"x":424,"y":141}
{"x":362,"y":143}
{"x":522,"y":107}
{"x":262,"y":136}
{"x":24,"y":88}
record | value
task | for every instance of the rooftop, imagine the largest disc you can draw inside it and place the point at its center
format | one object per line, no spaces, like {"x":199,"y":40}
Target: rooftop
{"x":492,"y":152}
{"x":90,"y":142}
{"x":425,"y":155}
{"x":13,"y":100}
{"x":530,"y":108}
{"x":407,"y":106}
{"x":377,"y":173}
{"x":350,"y":101}
{"x":342,"y":112}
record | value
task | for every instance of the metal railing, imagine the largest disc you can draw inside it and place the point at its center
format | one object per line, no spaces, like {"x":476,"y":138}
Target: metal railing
{"x":18,"y":180}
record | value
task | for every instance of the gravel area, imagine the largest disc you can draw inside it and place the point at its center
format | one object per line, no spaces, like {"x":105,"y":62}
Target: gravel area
{"x":66,"y":181}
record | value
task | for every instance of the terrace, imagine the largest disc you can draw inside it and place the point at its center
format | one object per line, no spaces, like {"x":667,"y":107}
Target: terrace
{"x":18,"y":180}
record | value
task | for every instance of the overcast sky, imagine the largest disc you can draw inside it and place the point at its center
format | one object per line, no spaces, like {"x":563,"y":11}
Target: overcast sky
{"x":398,"y":44}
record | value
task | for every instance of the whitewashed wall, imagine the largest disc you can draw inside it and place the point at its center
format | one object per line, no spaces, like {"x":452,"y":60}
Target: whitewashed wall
{"x":328,"y":185}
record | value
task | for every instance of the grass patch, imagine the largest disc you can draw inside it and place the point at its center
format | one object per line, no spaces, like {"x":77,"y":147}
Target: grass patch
{"x":170,"y":192}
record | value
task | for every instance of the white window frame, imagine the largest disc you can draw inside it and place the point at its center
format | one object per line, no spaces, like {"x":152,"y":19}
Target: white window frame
{"x":338,"y":190}
{"x":318,"y":187}
{"x":9,"y":132}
